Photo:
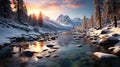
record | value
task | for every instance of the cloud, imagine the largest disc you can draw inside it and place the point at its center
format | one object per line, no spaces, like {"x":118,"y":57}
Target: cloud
{"x":67,"y":1}
{"x":53,"y":4}
{"x":73,"y":3}
{"x":45,"y":4}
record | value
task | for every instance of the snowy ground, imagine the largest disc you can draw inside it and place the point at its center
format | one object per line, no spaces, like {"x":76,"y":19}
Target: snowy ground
{"x":10,"y":29}
{"x":107,"y":32}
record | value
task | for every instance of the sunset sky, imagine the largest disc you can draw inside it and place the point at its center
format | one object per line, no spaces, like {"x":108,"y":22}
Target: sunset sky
{"x":53,"y":8}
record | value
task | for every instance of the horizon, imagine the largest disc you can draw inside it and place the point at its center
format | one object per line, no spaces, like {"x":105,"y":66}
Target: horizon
{"x":53,"y":9}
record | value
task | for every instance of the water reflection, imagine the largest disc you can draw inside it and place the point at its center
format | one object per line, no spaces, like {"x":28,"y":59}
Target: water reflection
{"x":69,"y":55}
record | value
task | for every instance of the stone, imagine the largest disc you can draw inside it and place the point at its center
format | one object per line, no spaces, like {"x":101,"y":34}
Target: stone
{"x":56,"y":47}
{"x":115,"y":50}
{"x":39,"y":57}
{"x":111,"y":49}
{"x":115,"y":35}
{"x":55,"y":55}
{"x":78,"y":45}
{"x":110,"y":41}
{"x":50,"y":46}
{"x":53,"y":38}
{"x":28,"y":53}
{"x":104,"y":56}
{"x":47,"y":55}
{"x":44,"y":50}
{"x":94,"y":41}
{"x":104,"y":31}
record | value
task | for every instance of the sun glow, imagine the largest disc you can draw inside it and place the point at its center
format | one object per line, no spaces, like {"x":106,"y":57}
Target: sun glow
{"x":37,"y":47}
{"x":34,"y":11}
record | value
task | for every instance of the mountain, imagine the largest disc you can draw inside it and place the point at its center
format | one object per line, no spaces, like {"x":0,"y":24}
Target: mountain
{"x":77,"y":21}
{"x":65,"y":19}
{"x":53,"y":25}
{"x":10,"y":28}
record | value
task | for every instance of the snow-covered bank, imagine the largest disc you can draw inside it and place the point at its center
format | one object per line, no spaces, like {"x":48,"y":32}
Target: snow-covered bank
{"x":108,"y":37}
{"x":10,"y":29}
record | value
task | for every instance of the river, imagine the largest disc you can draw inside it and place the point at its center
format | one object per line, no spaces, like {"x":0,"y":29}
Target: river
{"x":68,"y":55}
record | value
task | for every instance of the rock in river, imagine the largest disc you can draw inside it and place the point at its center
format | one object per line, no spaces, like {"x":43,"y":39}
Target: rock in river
{"x":111,"y":41}
{"x":50,"y":45}
{"x":115,"y":50}
{"x":104,"y":56}
{"x":28,"y":53}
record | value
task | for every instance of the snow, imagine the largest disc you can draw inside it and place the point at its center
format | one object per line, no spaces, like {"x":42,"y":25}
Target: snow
{"x":10,"y":29}
{"x":104,"y":56}
{"x":66,"y":20}
{"x":115,"y":49}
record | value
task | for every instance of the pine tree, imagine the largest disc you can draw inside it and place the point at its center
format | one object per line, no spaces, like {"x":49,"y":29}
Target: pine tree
{"x":34,"y":20}
{"x":98,"y":5}
{"x":40,"y":19}
{"x":85,"y":22}
{"x":5,"y":9}
{"x":112,"y":10}
{"x":91,"y":21}
{"x":21,"y":10}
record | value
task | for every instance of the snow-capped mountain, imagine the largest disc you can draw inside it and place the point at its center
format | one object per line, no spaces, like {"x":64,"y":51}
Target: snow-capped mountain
{"x":53,"y":25}
{"x":77,"y":21}
{"x":65,"y":19}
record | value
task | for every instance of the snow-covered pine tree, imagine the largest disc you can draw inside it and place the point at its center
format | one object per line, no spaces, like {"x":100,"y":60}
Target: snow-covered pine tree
{"x":21,"y":10}
{"x":40,"y":19}
{"x":5,"y":9}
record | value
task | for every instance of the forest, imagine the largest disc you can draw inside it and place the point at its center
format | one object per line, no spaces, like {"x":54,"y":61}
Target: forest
{"x":72,"y":39}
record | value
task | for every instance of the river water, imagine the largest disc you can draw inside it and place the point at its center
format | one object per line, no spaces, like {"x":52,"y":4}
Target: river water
{"x":69,"y":55}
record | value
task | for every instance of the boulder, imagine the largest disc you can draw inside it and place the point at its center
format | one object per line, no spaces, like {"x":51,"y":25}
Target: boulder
{"x":56,"y":47}
{"x":53,"y":38}
{"x":115,"y":34}
{"x":27,"y":53}
{"x":111,"y":49}
{"x":104,"y":56}
{"x":50,"y":46}
{"x":55,"y":55}
{"x":110,"y":41}
{"x":104,"y":31}
{"x":44,"y":50}
{"x":115,"y":50}
{"x":39,"y":56}
{"x":94,"y":41}
{"x":47,"y":55}
{"x":78,"y":45}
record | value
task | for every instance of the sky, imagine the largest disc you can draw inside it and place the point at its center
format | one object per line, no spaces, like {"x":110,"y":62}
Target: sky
{"x":53,"y":8}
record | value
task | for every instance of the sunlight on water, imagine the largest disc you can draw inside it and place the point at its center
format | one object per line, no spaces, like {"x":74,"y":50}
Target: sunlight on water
{"x":37,"y":47}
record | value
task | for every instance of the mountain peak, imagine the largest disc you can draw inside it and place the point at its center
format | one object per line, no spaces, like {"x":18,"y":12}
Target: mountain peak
{"x":65,"y":19}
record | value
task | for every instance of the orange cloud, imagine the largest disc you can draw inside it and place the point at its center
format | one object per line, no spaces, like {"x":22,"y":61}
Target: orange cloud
{"x":50,"y":9}
{"x":67,"y":1}
{"x":73,"y":5}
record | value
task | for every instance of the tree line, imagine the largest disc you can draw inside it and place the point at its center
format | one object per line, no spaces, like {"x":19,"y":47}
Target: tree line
{"x":105,"y":12}
{"x":17,"y":10}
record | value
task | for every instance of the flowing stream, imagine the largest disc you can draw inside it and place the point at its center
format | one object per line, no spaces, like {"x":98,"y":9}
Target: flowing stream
{"x":68,"y":55}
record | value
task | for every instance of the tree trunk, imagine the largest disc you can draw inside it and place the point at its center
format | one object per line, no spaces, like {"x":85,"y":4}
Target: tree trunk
{"x":18,"y":10}
{"x":99,"y":14}
{"x":115,"y":18}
